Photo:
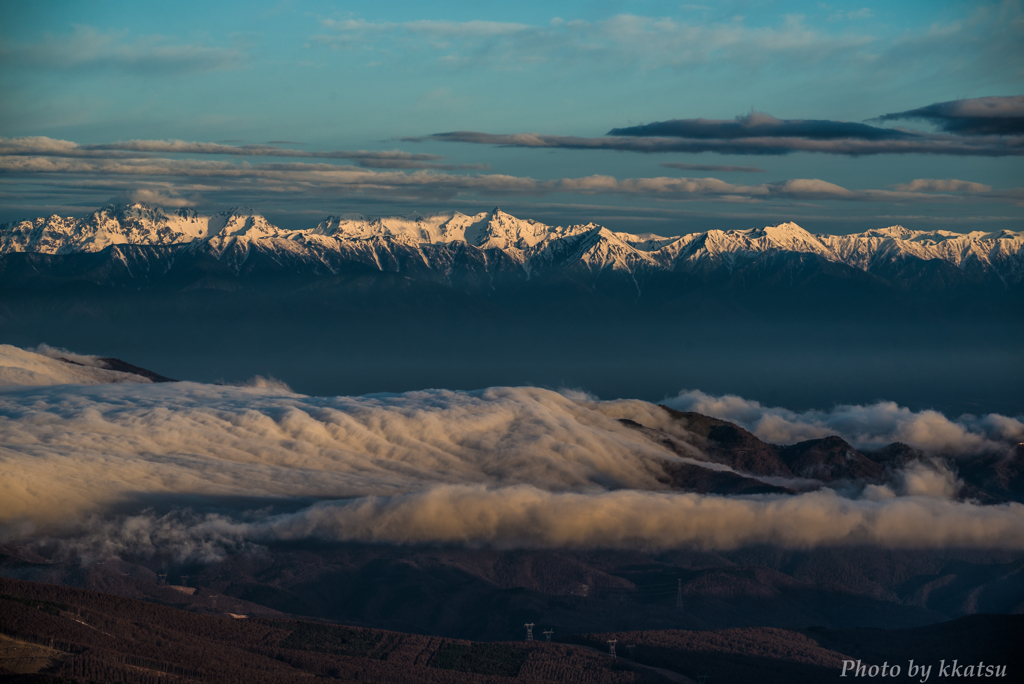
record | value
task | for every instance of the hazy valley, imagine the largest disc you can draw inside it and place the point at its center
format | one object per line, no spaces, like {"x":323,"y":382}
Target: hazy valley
{"x":352,"y":306}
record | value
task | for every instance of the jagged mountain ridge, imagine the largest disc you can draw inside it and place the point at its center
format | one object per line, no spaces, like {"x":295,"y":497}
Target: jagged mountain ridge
{"x":496,"y":242}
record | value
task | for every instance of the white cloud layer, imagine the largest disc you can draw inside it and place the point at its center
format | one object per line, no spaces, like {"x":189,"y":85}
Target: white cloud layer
{"x":508,"y":467}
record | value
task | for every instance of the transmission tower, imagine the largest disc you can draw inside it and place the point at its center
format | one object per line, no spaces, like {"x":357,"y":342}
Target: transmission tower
{"x":184,"y":580}
{"x":163,"y":577}
{"x":529,"y":631}
{"x":679,"y":593}
{"x":611,"y":646}
{"x":548,"y":633}
{"x":702,"y":679}
{"x":632,"y":651}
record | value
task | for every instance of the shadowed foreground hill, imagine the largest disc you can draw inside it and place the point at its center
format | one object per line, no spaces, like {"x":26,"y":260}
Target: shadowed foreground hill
{"x":56,"y":634}
{"x":768,"y":655}
{"x":488,"y":594}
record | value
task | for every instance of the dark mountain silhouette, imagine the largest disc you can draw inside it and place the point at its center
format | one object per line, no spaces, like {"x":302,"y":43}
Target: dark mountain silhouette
{"x":489,"y":594}
{"x":113,"y":364}
{"x":55,"y":634}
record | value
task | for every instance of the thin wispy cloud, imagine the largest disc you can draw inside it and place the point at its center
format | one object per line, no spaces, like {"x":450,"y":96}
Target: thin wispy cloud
{"x":852,"y":47}
{"x":852,"y":15}
{"x":623,"y":40}
{"x":39,"y":146}
{"x":713,"y":168}
{"x":384,"y":174}
{"x":90,"y":48}
{"x":942,"y":185}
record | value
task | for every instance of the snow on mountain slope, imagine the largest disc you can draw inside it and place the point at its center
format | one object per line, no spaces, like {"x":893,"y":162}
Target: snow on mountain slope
{"x":486,"y":230}
{"x":592,"y":247}
{"x":649,"y":242}
{"x":869,"y":251}
{"x":397,"y":243}
{"x":135,"y":224}
{"x":730,"y":246}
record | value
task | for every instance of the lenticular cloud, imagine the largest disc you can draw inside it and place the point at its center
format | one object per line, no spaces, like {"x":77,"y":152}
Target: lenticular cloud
{"x":199,"y":470}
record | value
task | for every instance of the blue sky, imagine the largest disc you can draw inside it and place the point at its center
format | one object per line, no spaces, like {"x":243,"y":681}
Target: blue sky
{"x":331,"y":76}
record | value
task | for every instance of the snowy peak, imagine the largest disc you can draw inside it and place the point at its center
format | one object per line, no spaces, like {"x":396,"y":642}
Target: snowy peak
{"x":435,"y":241}
{"x":487,"y":230}
{"x":647,"y":242}
{"x":896,"y":232}
{"x":610,"y":251}
{"x":132,"y":224}
{"x":412,"y":229}
{"x":240,"y":221}
{"x":788,"y":237}
{"x":505,"y":232}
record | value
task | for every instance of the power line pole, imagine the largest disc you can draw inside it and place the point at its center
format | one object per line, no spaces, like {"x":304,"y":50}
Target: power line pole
{"x":548,"y":633}
{"x":611,"y":646}
{"x":529,"y":631}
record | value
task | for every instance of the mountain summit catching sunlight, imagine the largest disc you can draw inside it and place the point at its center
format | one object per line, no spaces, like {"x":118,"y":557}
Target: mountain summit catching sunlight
{"x":153,"y":244}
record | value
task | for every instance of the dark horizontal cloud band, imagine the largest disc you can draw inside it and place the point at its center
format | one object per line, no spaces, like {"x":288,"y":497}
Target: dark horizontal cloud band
{"x":386,"y":159}
{"x":977,"y":116}
{"x":944,"y":145}
{"x":984,"y":127}
{"x":759,"y":125}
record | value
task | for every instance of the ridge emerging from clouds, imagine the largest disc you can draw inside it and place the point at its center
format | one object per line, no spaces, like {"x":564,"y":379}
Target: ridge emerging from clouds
{"x":505,"y":467}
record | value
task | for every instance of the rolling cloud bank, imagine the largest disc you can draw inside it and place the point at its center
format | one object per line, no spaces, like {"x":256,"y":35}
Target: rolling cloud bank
{"x":113,"y":467}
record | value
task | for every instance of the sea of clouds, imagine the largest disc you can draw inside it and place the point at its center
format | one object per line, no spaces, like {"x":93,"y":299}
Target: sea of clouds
{"x":115,"y":468}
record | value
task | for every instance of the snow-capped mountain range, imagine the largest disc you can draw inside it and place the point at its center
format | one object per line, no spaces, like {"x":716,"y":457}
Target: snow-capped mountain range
{"x":496,"y":240}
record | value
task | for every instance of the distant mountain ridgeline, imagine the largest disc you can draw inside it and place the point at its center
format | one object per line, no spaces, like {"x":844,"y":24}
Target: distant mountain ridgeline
{"x":496,"y":255}
{"x":354,"y":305}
